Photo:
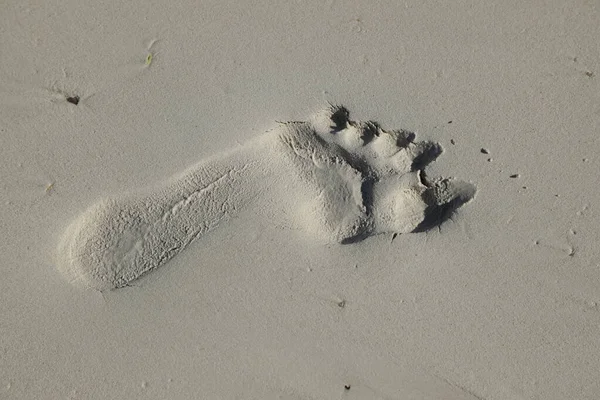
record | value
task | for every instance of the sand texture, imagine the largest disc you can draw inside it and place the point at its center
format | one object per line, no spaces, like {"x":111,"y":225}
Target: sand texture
{"x":341,"y":180}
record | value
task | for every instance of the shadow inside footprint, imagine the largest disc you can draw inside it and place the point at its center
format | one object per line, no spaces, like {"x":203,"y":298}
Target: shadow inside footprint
{"x":437,"y":215}
{"x":428,"y":152}
{"x":339,"y":118}
{"x":439,"y":211}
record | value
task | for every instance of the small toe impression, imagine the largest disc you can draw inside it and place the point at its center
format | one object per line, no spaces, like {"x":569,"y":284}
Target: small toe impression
{"x":332,"y":119}
{"x":369,"y":130}
{"x":403,"y":137}
{"x":339,"y":118}
{"x":443,"y":197}
{"x":425,"y":153}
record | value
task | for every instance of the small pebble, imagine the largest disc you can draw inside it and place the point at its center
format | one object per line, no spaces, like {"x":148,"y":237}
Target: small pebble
{"x":484,"y":151}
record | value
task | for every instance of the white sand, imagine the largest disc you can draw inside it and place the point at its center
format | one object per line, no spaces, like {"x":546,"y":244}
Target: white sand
{"x":340,"y":180}
{"x":499,"y":302}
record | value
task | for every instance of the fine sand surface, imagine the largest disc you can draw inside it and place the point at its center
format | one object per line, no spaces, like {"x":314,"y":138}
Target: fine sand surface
{"x":330,"y":252}
{"x":340,"y":180}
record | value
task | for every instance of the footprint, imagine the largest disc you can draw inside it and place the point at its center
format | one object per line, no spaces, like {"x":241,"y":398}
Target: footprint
{"x":336,"y":179}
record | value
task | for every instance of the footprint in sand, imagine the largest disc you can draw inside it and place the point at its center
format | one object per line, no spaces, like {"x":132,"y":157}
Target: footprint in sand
{"x":333,"y":178}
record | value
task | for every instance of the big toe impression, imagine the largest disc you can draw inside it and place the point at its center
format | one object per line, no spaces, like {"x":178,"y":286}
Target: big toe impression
{"x":444,"y":197}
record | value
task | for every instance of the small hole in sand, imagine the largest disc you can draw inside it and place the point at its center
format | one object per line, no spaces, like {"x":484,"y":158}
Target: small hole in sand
{"x":73,"y":99}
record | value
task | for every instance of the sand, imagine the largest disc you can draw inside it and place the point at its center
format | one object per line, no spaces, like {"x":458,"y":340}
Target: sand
{"x":341,"y":180}
{"x":168,"y":234}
